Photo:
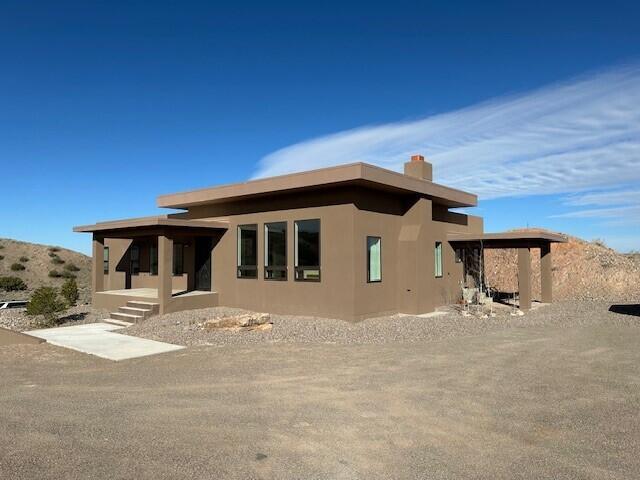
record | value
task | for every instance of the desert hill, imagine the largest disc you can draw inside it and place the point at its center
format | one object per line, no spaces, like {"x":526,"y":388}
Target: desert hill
{"x":38,"y":261}
{"x":582,"y":270}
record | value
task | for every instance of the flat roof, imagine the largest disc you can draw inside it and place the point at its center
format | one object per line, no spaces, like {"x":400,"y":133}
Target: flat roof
{"x":351,"y":174}
{"x":159,"y":221}
{"x":506,"y":238}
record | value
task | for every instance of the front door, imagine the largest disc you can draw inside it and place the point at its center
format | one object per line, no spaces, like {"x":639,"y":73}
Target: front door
{"x":203,"y":263}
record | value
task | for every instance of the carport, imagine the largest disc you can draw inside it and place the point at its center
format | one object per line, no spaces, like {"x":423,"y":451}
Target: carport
{"x":523,"y":242}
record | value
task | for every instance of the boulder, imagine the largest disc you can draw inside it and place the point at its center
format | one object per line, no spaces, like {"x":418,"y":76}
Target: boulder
{"x":247,"y":321}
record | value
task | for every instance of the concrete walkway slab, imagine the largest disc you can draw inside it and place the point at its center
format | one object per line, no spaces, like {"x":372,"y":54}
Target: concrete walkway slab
{"x":102,"y":340}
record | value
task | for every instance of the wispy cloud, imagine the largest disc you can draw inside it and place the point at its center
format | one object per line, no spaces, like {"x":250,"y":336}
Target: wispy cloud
{"x":577,"y":136}
{"x":613,"y":207}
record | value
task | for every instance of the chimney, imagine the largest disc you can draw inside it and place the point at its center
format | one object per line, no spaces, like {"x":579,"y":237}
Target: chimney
{"x":418,"y":168}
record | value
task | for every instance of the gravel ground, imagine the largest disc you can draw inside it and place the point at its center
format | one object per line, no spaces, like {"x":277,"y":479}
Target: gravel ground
{"x":185,"y":328}
{"x":17,"y":319}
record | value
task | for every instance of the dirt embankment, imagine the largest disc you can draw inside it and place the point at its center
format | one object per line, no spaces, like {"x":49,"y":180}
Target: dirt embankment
{"x":581,"y":270}
{"x":38,"y":260}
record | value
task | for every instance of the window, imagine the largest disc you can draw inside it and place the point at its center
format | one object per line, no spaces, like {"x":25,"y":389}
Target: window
{"x":247,"y":251}
{"x":307,"y":251}
{"x":153,"y":259}
{"x":105,"y":260}
{"x":275,"y":251}
{"x":178,"y":258}
{"x":135,"y":260}
{"x":374,"y":259}
{"x":438,"y":254}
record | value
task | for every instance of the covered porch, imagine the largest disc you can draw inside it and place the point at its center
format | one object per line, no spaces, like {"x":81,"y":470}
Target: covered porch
{"x":161,"y":261}
{"x":523,"y":242}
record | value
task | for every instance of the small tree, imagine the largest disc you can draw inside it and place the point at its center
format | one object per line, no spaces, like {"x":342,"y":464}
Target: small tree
{"x":24,"y":259}
{"x":16,"y":267}
{"x":45,"y":304}
{"x":71,"y":267}
{"x":57,"y":260}
{"x":1,"y":257}
{"x":54,"y":273}
{"x":69,"y":291}
{"x":11,"y":284}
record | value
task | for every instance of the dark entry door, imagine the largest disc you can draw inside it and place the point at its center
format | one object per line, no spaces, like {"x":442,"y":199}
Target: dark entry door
{"x":203,"y":263}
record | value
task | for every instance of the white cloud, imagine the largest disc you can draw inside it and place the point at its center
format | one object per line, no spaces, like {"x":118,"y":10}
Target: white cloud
{"x":620,"y":208}
{"x":572,"y":137}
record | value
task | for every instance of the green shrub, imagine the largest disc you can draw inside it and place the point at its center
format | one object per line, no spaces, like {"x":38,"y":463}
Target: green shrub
{"x":71,"y":267}
{"x":16,"y":267}
{"x":54,"y":249}
{"x":57,"y":260}
{"x":24,"y":259}
{"x":53,"y":254}
{"x":69,"y":291}
{"x":54,"y":273}
{"x":67,"y":274}
{"x":1,"y":257}
{"x":46,"y":304}
{"x":1,"y":247}
{"x":11,"y":284}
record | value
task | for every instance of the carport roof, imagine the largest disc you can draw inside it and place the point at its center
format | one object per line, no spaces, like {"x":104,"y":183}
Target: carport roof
{"x":508,"y":239}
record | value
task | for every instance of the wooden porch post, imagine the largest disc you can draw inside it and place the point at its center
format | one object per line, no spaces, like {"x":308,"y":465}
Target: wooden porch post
{"x":97,"y":264}
{"x":546,"y":288}
{"x":524,"y":278}
{"x":165,"y":267}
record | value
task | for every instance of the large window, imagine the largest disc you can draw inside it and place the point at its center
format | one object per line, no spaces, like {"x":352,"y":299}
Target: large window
{"x":275,"y":251}
{"x":153,"y":259}
{"x":374,"y":259}
{"x":105,"y":260}
{"x":247,"y":251}
{"x":135,"y":260}
{"x":438,"y":259}
{"x":178,"y":258}
{"x":307,"y":250}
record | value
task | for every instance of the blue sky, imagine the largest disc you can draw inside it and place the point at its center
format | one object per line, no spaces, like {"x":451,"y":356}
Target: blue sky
{"x":105,"y":105}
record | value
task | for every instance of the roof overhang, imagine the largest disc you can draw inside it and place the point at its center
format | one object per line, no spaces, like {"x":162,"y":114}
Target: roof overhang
{"x":152,"y":223}
{"x":529,"y":238}
{"x":352,"y":174}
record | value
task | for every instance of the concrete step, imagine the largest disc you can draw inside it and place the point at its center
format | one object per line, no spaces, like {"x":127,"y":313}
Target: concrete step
{"x":143,"y":312}
{"x":127,"y":317}
{"x":117,"y":322}
{"x":154,"y":307}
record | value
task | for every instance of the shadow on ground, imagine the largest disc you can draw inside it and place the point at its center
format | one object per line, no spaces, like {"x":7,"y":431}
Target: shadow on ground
{"x":626,"y":309}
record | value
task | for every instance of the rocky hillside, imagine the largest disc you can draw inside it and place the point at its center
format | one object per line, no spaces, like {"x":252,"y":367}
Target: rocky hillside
{"x":40,"y":262}
{"x":581,"y":270}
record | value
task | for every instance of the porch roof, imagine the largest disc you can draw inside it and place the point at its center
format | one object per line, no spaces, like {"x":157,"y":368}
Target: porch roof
{"x":528,"y":238}
{"x":153,"y":222}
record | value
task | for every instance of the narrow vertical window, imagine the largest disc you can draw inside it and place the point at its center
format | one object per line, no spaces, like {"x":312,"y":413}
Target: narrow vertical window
{"x":438,"y":258}
{"x":275,"y":251}
{"x":307,"y":250}
{"x":178,"y":259}
{"x":105,"y":260}
{"x":135,"y":260}
{"x":247,"y":251}
{"x":153,"y":259}
{"x":374,"y":259}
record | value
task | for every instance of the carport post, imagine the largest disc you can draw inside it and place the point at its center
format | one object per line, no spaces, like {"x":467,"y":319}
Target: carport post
{"x":546,"y":290}
{"x":165,"y":267}
{"x":97,"y":266}
{"x":524,"y":278}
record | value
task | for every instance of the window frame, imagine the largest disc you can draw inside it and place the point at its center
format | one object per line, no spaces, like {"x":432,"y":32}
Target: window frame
{"x":153,"y":248}
{"x":239,"y":266}
{"x":133,"y":271}
{"x":379,"y":238}
{"x":280,"y":268}
{"x":438,"y":248}
{"x":298,"y":275}
{"x":105,"y":260}
{"x":174,"y":272}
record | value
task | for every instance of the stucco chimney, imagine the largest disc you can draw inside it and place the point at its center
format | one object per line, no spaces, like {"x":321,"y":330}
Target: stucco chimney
{"x":418,"y":168}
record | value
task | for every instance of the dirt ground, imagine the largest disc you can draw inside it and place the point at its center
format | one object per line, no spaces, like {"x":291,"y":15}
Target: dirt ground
{"x":534,"y":402}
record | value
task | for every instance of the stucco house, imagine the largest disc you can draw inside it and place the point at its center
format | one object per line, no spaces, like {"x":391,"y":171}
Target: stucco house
{"x":351,"y":242}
